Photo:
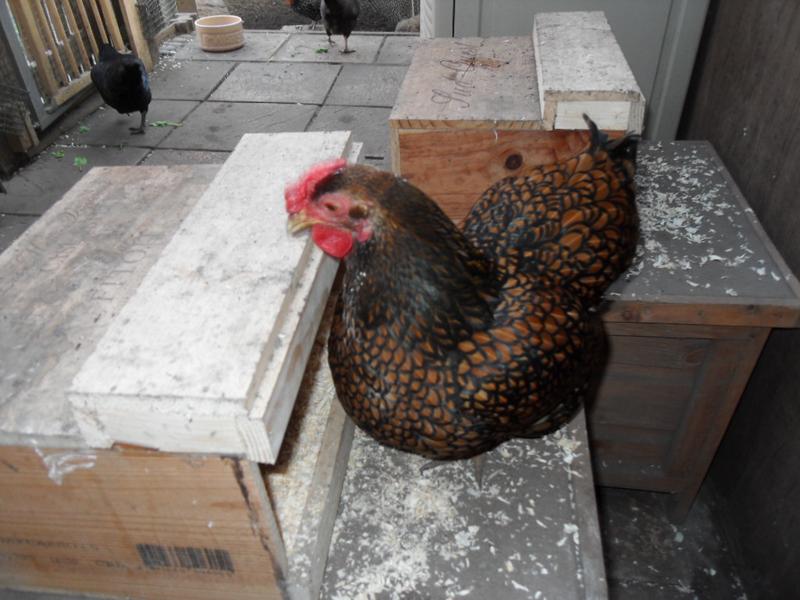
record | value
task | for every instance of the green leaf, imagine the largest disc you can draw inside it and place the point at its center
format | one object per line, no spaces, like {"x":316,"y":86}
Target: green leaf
{"x":83,"y":129}
{"x":322,"y":50}
{"x":57,"y":153}
{"x":165,"y":124}
{"x":80,"y":162}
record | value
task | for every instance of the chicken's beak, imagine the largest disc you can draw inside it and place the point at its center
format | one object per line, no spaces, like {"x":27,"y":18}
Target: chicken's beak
{"x":299,"y":221}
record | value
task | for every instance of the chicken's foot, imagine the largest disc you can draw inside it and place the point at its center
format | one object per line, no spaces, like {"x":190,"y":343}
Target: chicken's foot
{"x":139,"y":130}
{"x":346,"y":49}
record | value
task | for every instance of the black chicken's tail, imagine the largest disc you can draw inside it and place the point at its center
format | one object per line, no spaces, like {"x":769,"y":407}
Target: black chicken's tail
{"x":623,"y":148}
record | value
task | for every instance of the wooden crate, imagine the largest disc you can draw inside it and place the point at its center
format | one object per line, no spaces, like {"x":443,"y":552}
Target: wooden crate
{"x":192,"y":510}
{"x":471,"y":111}
{"x":686,"y":326}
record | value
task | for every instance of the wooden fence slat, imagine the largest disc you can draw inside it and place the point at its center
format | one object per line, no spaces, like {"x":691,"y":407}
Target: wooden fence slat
{"x":99,"y":20}
{"x":51,"y":41}
{"x":23,"y":13}
{"x":87,"y":24}
{"x":73,"y":25}
{"x":135,"y":34}
{"x":111,"y":24}
{"x":58,"y":25}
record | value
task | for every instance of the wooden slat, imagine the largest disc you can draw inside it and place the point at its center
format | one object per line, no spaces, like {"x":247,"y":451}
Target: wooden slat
{"x":75,"y":87}
{"x":87,"y":25}
{"x":111,"y":24}
{"x":73,"y":25}
{"x":98,"y":19}
{"x":58,"y":25}
{"x":130,"y":15}
{"x":23,"y":13}
{"x":51,"y":41}
{"x":119,"y":522}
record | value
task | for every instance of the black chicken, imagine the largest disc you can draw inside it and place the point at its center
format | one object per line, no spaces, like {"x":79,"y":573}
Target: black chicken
{"x":447,"y":342}
{"x":339,"y":17}
{"x":122,"y":81}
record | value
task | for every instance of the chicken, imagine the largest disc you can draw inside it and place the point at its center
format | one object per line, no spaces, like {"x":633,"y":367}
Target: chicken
{"x":306,"y":8}
{"x":447,"y":342}
{"x":339,"y":17}
{"x":122,"y":81}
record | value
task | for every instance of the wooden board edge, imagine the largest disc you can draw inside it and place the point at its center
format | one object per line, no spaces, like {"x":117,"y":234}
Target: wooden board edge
{"x":731,"y":312}
{"x":587,"y":516}
{"x":310,"y":551}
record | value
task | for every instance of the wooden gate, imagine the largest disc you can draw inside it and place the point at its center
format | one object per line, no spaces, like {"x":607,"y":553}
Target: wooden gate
{"x":61,"y":41}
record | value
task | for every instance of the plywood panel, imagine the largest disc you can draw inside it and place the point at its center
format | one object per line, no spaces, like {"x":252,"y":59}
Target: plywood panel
{"x":132,"y":523}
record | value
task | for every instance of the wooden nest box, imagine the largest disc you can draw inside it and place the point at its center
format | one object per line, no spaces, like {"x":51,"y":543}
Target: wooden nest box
{"x":474,"y":110}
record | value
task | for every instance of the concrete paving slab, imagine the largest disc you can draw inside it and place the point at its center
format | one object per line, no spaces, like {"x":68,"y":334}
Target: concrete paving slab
{"x":398,"y":49}
{"x":367,"y":85}
{"x":34,"y":189}
{"x":11,"y":227}
{"x":106,"y":127}
{"x":315,"y":48}
{"x":187,"y":80}
{"x":220,"y":125}
{"x":185,"y":157}
{"x":278,"y":82}
{"x":369,"y":125}
{"x":258,"y":46}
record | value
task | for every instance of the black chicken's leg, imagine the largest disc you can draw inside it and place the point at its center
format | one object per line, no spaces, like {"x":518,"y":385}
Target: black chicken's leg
{"x":139,"y":130}
{"x":346,"y":49}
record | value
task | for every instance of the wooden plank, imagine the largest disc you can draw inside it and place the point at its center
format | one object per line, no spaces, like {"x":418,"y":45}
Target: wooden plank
{"x":58,"y":25}
{"x":469,"y":83}
{"x":130,"y":14}
{"x":65,"y":278}
{"x":306,"y":482}
{"x":75,"y":87}
{"x":86,"y":64}
{"x":23,"y":13}
{"x":710,"y":411}
{"x":110,"y":19}
{"x":455,"y":166}
{"x":98,"y":19}
{"x":137,"y":524}
{"x":188,"y":364}
{"x":50,"y":39}
{"x":581,"y":68}
{"x":651,"y":397}
{"x":777,"y":312}
{"x":87,"y":26}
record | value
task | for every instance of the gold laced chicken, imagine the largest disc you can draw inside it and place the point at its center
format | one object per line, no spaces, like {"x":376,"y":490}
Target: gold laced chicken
{"x":449,"y":341}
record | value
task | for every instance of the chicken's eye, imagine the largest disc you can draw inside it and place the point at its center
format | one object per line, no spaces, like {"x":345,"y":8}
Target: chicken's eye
{"x":330,"y":206}
{"x":359,"y":211}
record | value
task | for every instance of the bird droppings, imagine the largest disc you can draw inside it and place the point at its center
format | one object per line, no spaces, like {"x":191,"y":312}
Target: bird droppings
{"x":405,"y":534}
{"x":695,"y":231}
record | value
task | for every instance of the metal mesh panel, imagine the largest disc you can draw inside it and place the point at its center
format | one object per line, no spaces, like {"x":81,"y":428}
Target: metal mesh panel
{"x":12,"y":94}
{"x":392,"y":11}
{"x":156,"y":14}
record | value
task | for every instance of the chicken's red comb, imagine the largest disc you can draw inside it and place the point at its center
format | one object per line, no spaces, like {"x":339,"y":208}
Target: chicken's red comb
{"x":299,"y":194}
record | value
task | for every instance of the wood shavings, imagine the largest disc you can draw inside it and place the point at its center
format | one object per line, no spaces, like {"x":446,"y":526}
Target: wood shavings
{"x":696,"y":237}
{"x":401,"y":534}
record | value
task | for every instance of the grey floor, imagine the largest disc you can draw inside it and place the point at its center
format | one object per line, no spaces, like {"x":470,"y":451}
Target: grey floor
{"x":293,"y":82}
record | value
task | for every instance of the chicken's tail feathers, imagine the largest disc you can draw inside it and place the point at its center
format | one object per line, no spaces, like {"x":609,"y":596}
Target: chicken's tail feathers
{"x":622,"y":148}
